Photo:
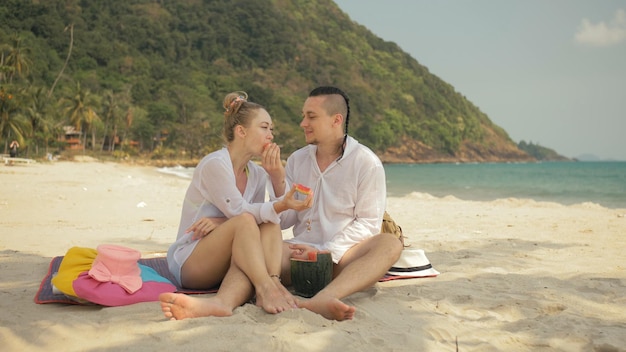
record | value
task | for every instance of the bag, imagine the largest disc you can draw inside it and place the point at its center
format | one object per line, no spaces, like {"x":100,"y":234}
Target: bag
{"x":390,"y":226}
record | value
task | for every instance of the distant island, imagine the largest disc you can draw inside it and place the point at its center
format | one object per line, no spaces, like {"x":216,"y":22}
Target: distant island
{"x":588,"y":157}
{"x":541,"y":153}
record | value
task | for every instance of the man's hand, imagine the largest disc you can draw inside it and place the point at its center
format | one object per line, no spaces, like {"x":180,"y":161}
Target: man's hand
{"x":301,"y":251}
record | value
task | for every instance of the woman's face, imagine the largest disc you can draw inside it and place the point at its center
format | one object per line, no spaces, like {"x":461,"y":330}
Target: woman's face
{"x":259,"y":133}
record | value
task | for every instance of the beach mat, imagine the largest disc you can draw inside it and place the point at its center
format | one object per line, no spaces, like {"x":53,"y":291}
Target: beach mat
{"x":46,"y":295}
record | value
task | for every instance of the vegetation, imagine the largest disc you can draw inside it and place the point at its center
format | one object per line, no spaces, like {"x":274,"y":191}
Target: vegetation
{"x":541,"y":153}
{"x":148,"y":76}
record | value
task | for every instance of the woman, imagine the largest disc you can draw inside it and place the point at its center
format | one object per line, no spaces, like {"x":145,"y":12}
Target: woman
{"x":228,"y":235}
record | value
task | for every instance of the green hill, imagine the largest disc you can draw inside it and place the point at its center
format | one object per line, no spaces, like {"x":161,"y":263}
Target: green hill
{"x":541,"y":153}
{"x":152,"y":73}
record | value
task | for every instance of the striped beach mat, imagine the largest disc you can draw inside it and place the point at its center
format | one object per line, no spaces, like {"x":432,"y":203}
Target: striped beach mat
{"x":46,"y":293}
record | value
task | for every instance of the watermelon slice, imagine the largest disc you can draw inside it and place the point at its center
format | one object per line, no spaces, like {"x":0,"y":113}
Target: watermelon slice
{"x":313,"y":255}
{"x":303,"y":189}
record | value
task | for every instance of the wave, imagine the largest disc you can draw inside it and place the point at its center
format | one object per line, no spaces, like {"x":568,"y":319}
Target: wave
{"x":179,"y":171}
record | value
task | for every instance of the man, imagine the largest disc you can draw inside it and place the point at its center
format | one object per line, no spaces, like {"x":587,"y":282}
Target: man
{"x":13,"y":149}
{"x":349,"y":199}
{"x":349,"y":190}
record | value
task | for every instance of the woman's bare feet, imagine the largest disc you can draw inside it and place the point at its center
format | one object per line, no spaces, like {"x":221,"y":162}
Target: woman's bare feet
{"x":176,"y":306}
{"x":274,"y":298}
{"x":329,"y":307}
{"x":291,"y":299}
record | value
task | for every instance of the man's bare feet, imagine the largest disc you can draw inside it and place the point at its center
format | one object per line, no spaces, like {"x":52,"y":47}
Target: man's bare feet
{"x":176,"y":306}
{"x":275,"y":298}
{"x":329,"y":307}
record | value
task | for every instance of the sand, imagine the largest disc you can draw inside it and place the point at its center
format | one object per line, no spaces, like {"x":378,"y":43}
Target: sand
{"x":516,"y":275}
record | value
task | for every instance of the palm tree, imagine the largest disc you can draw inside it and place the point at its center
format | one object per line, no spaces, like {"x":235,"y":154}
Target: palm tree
{"x":81,"y":112}
{"x":109,"y":115}
{"x":12,"y":124}
{"x":38,"y":113}
{"x":113,"y":106}
{"x":67,"y":59}
{"x":17,"y":59}
{"x":4,"y":69}
{"x":92,"y":120}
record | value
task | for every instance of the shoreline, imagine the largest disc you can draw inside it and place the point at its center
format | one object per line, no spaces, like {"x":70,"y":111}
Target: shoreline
{"x":516,"y":274}
{"x":460,"y":181}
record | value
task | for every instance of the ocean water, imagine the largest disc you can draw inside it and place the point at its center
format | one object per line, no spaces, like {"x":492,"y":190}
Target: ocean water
{"x":603,"y":183}
{"x":567,"y":183}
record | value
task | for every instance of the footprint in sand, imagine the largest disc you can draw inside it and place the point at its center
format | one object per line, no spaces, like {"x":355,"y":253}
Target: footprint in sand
{"x":553,"y":309}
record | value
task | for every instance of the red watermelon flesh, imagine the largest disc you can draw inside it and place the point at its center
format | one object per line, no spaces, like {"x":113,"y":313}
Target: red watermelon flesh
{"x":303,"y":189}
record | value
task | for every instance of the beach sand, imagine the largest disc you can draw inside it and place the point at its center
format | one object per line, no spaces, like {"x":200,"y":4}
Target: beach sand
{"x":516,"y":275}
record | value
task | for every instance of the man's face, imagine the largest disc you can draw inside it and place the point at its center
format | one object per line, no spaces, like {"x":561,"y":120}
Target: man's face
{"x":316,"y":123}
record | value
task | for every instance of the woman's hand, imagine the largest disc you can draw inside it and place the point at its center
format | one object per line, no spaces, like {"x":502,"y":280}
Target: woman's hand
{"x":273,"y":165}
{"x":204,"y":226}
{"x":290,"y":201}
{"x":301,"y":251}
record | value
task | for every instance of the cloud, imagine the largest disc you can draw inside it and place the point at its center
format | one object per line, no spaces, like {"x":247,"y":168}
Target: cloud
{"x":603,"y":34}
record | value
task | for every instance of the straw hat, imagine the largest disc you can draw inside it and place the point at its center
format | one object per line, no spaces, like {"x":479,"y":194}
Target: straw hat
{"x":413,"y":263}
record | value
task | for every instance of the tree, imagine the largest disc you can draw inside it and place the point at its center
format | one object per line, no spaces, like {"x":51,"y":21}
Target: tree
{"x":38,"y":114}
{"x":80,"y":109}
{"x":12,"y":124}
{"x":161,"y":115}
{"x":17,"y":58}
{"x":67,"y":59}
{"x":116,"y":113}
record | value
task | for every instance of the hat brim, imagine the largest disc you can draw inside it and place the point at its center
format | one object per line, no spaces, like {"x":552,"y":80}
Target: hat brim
{"x":415,"y":273}
{"x":413,"y":263}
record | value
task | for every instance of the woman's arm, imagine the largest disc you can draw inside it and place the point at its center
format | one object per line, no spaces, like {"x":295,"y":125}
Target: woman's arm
{"x":204,"y":226}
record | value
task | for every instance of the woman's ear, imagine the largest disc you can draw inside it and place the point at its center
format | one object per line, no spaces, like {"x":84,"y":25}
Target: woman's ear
{"x":240,"y":131}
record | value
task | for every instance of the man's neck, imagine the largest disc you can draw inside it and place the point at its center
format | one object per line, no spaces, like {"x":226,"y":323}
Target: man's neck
{"x":328,"y":152}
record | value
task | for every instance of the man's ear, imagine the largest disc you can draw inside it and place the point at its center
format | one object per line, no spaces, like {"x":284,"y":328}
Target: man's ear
{"x":338,"y":119}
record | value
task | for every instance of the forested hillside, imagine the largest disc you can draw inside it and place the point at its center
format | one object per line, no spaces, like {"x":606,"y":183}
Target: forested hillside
{"x":151,"y":74}
{"x":541,"y":153}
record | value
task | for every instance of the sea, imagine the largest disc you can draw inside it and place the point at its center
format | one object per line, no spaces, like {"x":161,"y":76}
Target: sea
{"x":602,"y":183}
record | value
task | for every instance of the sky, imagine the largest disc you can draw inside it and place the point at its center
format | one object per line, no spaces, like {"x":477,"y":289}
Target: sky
{"x":551,"y":72}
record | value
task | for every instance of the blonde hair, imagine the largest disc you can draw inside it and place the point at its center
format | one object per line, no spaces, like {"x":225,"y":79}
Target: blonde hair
{"x":237,"y":111}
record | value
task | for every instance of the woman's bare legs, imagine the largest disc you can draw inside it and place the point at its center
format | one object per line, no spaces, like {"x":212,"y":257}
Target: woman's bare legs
{"x":234,"y":290}
{"x":272,"y":242}
{"x":233,"y":252}
{"x":249,"y":256}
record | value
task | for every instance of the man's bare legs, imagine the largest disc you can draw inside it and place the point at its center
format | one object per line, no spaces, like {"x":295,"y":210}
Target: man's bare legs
{"x":361,"y":267}
{"x":236,"y":248}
